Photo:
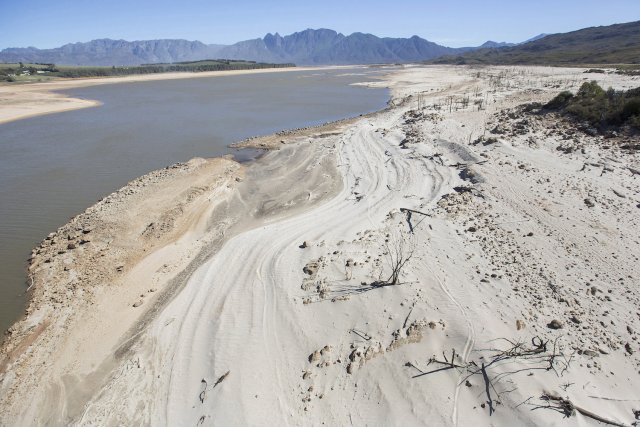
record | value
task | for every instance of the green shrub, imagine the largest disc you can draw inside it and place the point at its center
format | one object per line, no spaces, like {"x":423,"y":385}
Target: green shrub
{"x":598,"y":107}
{"x":631,"y":108}
{"x":560,"y":101}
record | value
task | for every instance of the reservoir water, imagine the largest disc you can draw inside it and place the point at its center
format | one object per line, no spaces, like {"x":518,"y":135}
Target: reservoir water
{"x":53,"y":167}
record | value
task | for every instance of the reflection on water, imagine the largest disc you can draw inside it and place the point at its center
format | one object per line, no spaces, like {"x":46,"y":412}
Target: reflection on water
{"x":53,"y":167}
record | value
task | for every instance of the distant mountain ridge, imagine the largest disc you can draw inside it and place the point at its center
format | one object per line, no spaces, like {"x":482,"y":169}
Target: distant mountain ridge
{"x":325,"y":46}
{"x":114,"y":52}
{"x":611,"y":44}
{"x":308,"y":47}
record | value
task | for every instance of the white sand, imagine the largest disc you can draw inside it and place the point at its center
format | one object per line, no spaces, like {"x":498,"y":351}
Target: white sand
{"x":304,"y":337}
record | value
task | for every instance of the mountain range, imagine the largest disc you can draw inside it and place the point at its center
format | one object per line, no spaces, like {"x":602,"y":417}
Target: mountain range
{"x":618,"y":43}
{"x":308,"y":47}
{"x":611,"y":44}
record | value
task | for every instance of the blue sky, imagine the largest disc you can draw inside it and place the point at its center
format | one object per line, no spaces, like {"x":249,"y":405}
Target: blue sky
{"x":46,"y":23}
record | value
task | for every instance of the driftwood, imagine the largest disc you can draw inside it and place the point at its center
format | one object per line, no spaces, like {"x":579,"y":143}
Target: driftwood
{"x":362,"y":335}
{"x":409,"y":213}
{"x":464,"y":165}
{"x":406,"y":319}
{"x":414,"y":211}
{"x":539,"y":355}
{"x":203,"y":393}
{"x":567,"y":407}
{"x":633,"y":171}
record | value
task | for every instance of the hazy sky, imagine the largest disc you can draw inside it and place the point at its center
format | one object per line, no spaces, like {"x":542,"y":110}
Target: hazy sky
{"x":47,"y":23}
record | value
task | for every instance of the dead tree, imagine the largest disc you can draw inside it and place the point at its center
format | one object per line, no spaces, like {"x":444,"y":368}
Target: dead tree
{"x":398,"y":255}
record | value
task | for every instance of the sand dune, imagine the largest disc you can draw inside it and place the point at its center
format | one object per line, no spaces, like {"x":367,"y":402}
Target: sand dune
{"x":271,"y":303}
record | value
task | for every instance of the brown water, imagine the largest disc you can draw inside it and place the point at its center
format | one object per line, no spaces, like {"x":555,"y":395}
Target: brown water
{"x":53,"y":167}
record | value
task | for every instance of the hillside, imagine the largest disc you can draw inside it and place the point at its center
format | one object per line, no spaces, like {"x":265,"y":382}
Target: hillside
{"x":619,"y":44}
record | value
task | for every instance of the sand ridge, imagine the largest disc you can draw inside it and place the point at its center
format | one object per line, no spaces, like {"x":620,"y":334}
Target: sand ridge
{"x":516,"y":286}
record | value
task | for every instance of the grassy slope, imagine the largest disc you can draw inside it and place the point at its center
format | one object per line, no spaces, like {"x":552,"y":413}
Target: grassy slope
{"x":619,"y":43}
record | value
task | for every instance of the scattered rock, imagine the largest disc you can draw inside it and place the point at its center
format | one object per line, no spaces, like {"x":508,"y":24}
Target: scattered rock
{"x":311,"y":268}
{"x":554,"y":324}
{"x":628,"y":348}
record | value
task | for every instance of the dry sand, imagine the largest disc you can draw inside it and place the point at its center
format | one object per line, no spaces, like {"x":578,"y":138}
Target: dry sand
{"x":21,"y":101}
{"x":212,"y":293}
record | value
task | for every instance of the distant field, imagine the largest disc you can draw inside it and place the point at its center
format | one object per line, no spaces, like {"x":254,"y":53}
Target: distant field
{"x":42,"y":72}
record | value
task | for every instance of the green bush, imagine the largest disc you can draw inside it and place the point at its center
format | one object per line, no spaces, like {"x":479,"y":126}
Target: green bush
{"x":598,"y":107}
{"x":631,"y":108}
{"x":560,"y":101}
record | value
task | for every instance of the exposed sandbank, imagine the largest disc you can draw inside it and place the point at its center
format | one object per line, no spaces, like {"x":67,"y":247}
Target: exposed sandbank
{"x":271,"y":273}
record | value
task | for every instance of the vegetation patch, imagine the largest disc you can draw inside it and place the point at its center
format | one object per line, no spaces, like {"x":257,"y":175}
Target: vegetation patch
{"x":603,"y":109}
{"x":38,"y":72}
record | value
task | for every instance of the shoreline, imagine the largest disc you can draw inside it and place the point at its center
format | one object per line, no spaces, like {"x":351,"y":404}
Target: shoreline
{"x":23,"y":101}
{"x":175,"y":306}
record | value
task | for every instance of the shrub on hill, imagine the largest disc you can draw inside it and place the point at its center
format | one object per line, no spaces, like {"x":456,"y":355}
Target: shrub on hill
{"x":601,"y":108}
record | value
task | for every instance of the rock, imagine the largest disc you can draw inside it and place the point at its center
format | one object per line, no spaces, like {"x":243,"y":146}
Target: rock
{"x":306,"y":375}
{"x":138,"y":303}
{"x":628,"y":348}
{"x":311,"y":268}
{"x":520,"y":324}
{"x":593,"y":290}
{"x":467,"y":383}
{"x":304,"y":245}
{"x":472,"y":229}
{"x":350,"y":368}
{"x":575,"y":320}
{"x":350,"y":262}
{"x":554,"y":324}
{"x":589,"y":203}
{"x":71,"y":246}
{"x":590,"y":353}
{"x":314,"y":357}
{"x":630,"y":330}
{"x":325,"y":350}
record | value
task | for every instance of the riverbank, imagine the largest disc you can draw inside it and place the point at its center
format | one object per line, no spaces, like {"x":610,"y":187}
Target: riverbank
{"x":260,"y":294}
{"x":22,"y":101}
